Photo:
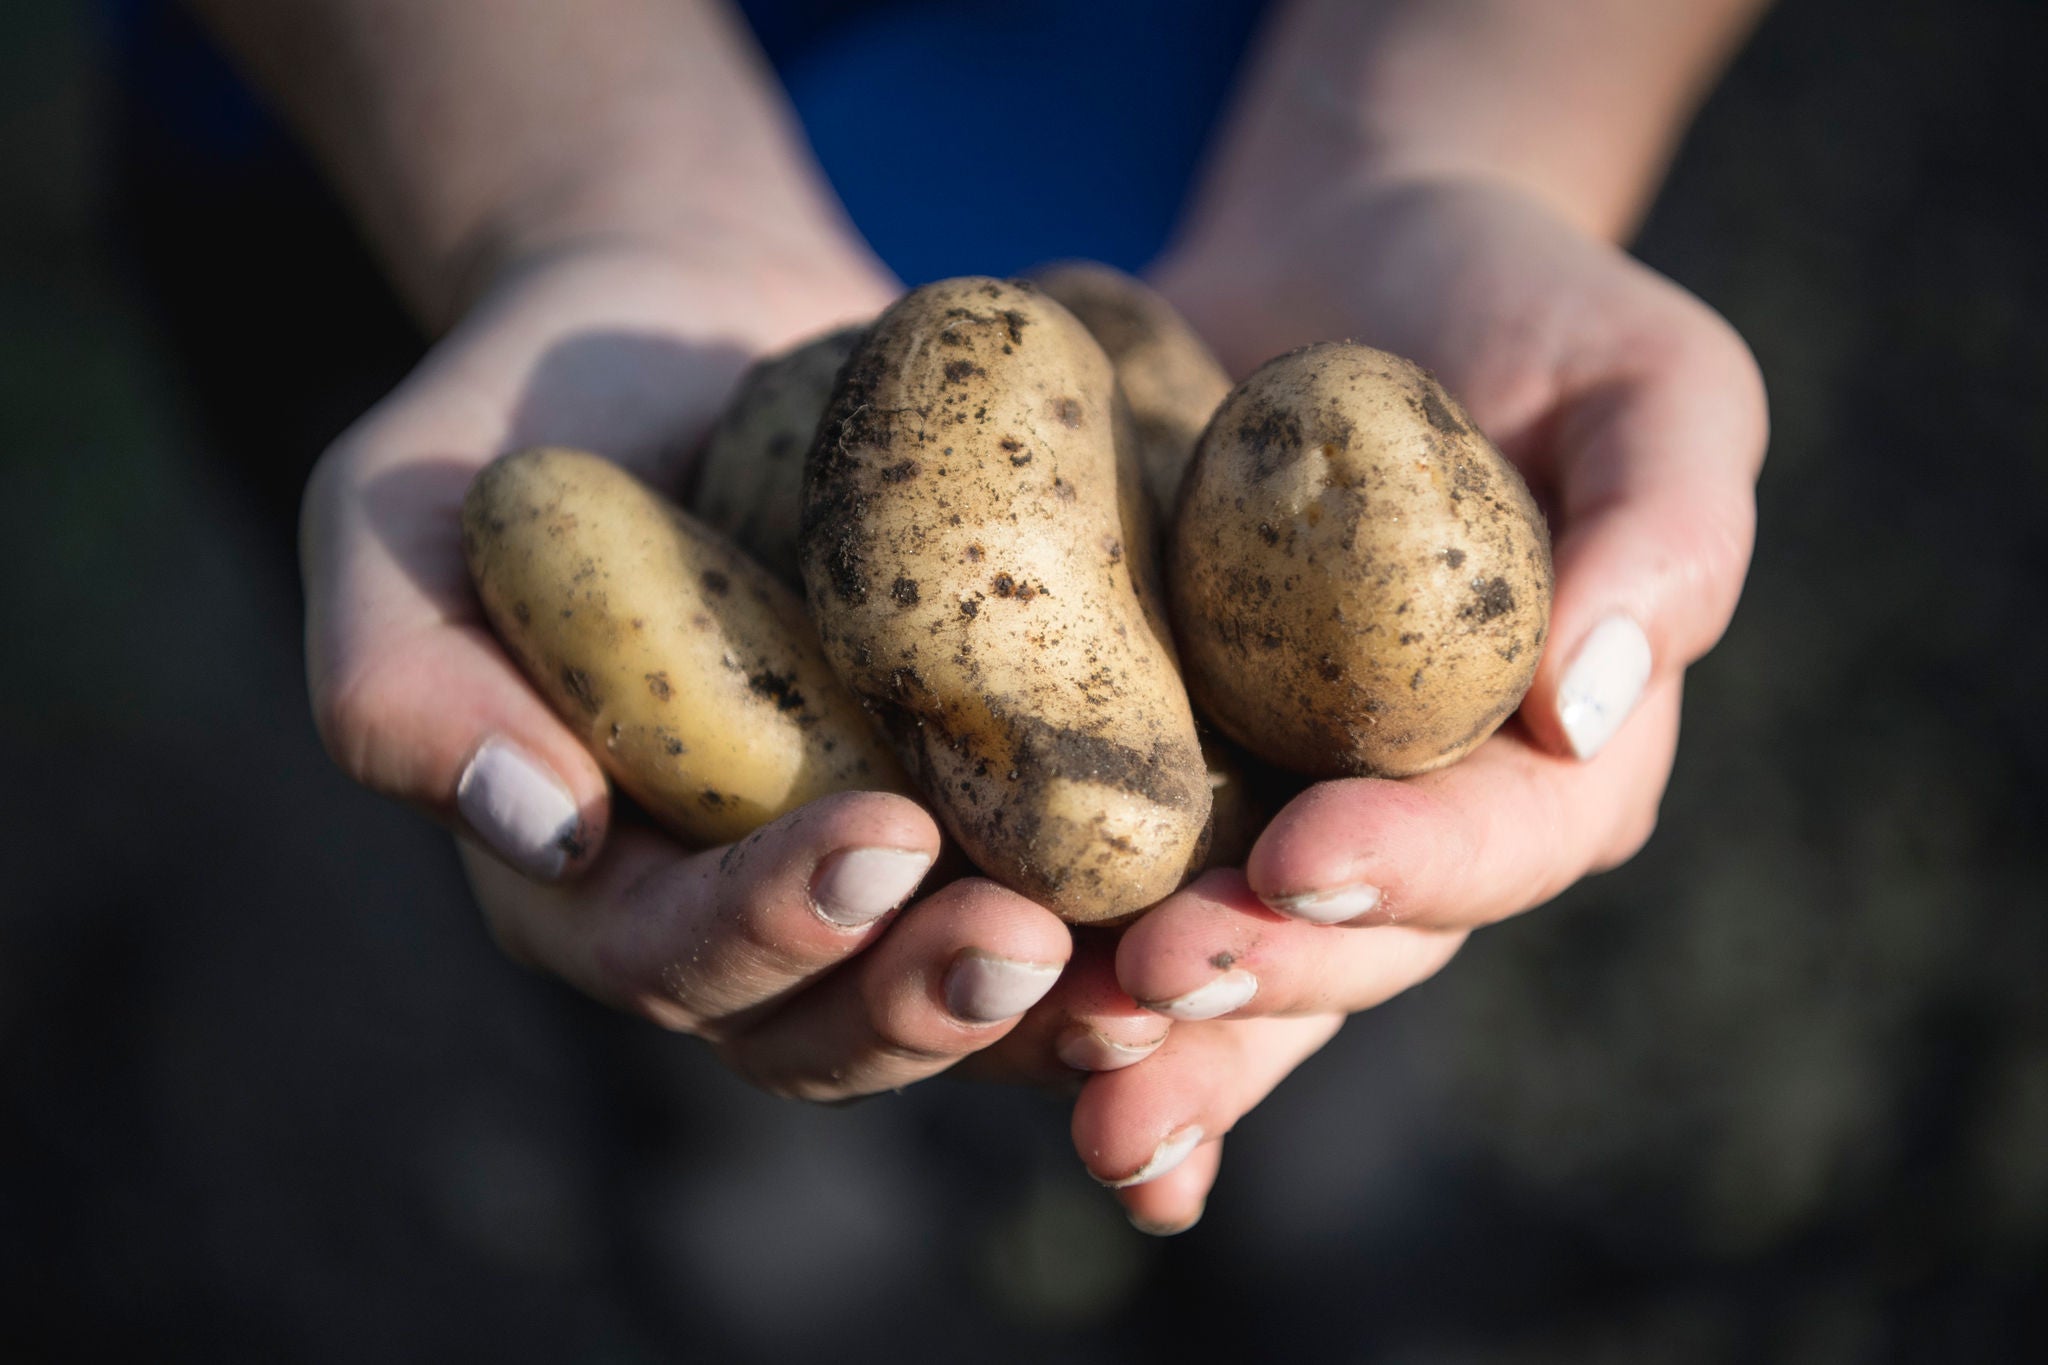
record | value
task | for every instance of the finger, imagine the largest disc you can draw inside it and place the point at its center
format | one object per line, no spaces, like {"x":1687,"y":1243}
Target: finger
{"x":412,"y":695}
{"x":952,"y":975}
{"x":1087,"y":1023}
{"x":1131,"y":1127}
{"x":1213,"y":950}
{"x":1174,"y":1202}
{"x":695,"y":941}
{"x":1507,"y":828}
{"x":1655,"y":472}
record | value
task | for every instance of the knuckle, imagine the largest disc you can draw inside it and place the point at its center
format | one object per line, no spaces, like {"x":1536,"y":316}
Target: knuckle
{"x":350,"y":713}
{"x":897,"y":1031}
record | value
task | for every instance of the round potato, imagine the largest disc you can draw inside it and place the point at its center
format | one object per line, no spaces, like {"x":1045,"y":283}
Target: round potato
{"x":1170,"y":378}
{"x":750,"y":478}
{"x":1361,"y":584}
{"x":975,"y":564}
{"x":690,"y":673}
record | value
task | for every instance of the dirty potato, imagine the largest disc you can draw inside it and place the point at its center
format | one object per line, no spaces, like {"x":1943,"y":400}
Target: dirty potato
{"x":968,"y":551}
{"x":690,"y":673}
{"x":1361,"y":584}
{"x":750,"y":478}
{"x":1169,"y":376}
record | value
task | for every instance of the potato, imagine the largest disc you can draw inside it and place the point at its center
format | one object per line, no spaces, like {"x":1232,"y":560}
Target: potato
{"x":970,"y":550}
{"x":1236,"y":812}
{"x":750,"y":477}
{"x":1169,"y":376}
{"x":691,"y":673}
{"x":1361,"y":584}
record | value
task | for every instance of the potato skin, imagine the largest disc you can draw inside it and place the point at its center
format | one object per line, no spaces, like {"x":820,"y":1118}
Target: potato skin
{"x":1361,"y":583}
{"x":750,"y":476}
{"x":1171,"y":379}
{"x":690,"y":673}
{"x":969,"y":552}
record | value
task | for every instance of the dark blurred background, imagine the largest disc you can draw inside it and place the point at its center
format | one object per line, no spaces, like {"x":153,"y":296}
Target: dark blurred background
{"x":1776,"y":1091}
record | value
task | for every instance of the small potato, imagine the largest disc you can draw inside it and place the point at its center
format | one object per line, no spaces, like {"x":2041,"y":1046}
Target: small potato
{"x":973,"y":561}
{"x":750,"y":479}
{"x":1361,"y":584}
{"x":1169,"y":376}
{"x":689,"y":672}
{"x":1237,"y":813}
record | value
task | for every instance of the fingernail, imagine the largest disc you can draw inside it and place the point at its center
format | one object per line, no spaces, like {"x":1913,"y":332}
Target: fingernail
{"x":518,"y":807}
{"x":859,"y":886}
{"x":1167,"y":1155}
{"x":1329,"y":907}
{"x":1152,"y":1229}
{"x":1086,"y":1050}
{"x":1226,"y":993}
{"x":984,"y":989}
{"x":1603,"y":684}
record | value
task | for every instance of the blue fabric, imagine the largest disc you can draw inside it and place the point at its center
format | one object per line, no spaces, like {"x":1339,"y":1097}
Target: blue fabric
{"x":983,"y":136}
{"x":965,"y":136}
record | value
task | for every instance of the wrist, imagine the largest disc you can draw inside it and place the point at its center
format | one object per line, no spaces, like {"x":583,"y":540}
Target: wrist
{"x":751,"y":241}
{"x":1579,"y":106}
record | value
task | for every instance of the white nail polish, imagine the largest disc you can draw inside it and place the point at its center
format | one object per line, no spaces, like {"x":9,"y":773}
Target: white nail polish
{"x":1175,"y":1149}
{"x":1087,"y":1050}
{"x":1603,"y":684}
{"x":519,"y":808}
{"x":1219,"y":997}
{"x":859,"y":886}
{"x":984,"y":990}
{"x":1329,"y":907}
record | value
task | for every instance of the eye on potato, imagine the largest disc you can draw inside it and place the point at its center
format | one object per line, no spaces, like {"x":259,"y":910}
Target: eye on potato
{"x":1169,"y":376}
{"x":750,"y":477}
{"x":974,"y":563}
{"x":691,"y":674}
{"x":1361,"y":583}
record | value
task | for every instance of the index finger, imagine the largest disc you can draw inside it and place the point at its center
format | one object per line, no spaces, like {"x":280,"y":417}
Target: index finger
{"x":1505,"y":829}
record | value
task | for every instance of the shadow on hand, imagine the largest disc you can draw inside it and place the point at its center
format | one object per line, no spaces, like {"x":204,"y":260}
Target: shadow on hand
{"x":643,"y":399}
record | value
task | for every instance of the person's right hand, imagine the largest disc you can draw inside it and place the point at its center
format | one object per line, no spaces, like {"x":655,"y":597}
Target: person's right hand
{"x":789,"y":950}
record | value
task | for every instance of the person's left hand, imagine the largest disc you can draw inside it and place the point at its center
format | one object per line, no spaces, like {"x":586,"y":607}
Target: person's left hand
{"x":1638,"y":417}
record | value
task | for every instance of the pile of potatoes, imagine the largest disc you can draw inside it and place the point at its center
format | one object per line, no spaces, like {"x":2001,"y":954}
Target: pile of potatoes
{"x":1042,"y":544}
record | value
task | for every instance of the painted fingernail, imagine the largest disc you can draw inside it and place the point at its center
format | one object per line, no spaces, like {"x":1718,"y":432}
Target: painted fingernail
{"x":853,"y":889}
{"x":1329,"y":907}
{"x":1167,"y":1155}
{"x":1603,"y":684}
{"x":519,"y":808}
{"x":984,"y":989}
{"x":1084,"y":1049}
{"x":1219,"y":997}
{"x":1152,"y":1229}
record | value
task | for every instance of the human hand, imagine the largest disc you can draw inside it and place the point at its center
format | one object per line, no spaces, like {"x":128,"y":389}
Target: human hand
{"x":1638,"y":418}
{"x":787,"y":950}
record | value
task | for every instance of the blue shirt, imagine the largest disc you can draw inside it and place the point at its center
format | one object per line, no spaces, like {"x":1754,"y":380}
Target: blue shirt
{"x":965,"y":136}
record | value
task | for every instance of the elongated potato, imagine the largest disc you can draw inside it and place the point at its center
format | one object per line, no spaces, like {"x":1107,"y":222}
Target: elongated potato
{"x":693,"y":675}
{"x":750,"y":478}
{"x":1171,"y":379}
{"x":1361,"y":584}
{"x":969,"y":553}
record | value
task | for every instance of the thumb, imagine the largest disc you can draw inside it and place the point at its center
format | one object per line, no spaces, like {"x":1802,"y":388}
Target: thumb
{"x":1656,"y":469}
{"x":413,"y":696}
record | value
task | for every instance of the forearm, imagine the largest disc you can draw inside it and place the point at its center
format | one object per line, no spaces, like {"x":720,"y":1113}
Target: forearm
{"x":1580,"y":102}
{"x":465,"y":134}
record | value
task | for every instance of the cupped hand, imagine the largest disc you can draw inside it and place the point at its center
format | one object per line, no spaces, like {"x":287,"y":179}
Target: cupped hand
{"x":1638,"y":417}
{"x":797,"y":952}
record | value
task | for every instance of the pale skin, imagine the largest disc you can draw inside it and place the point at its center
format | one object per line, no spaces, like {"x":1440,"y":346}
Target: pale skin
{"x":620,"y":179}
